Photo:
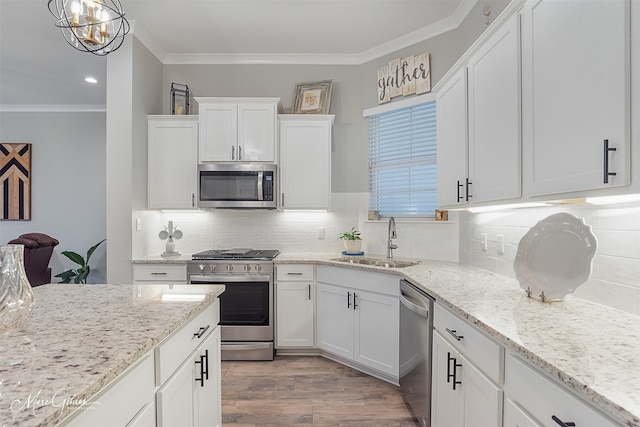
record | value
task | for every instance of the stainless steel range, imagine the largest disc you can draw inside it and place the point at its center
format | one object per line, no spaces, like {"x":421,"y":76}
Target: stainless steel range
{"x":246,"y":306}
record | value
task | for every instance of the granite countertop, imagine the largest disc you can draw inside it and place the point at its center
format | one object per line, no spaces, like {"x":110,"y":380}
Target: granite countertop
{"x":592,"y":349}
{"x":79,"y":338}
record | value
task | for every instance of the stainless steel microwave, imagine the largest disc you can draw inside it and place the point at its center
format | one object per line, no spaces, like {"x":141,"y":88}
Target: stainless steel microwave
{"x":237,"y":185}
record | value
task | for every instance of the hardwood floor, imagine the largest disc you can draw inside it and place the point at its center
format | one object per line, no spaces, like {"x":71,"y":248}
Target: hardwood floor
{"x":307,"y":390}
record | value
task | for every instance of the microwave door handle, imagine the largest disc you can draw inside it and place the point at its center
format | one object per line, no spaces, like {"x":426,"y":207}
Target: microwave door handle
{"x":260,"y":191}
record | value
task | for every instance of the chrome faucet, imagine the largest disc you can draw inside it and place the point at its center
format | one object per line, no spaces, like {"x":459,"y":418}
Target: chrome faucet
{"x":391,"y":235}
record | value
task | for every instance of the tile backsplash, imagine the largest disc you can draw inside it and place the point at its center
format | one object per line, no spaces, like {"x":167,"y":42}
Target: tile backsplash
{"x":615,"y":278}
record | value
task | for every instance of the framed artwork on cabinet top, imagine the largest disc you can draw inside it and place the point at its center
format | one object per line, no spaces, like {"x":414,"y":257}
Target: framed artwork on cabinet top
{"x":15,"y":181}
{"x":312,"y":98}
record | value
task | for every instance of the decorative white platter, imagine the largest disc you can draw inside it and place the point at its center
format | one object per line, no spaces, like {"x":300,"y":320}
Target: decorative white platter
{"x":555,"y":256}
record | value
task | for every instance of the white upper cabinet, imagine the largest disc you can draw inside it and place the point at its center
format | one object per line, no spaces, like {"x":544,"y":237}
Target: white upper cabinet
{"x":576,"y":95}
{"x":493,"y":74}
{"x":305,"y":161}
{"x":451,"y":131}
{"x":478,"y":123}
{"x":238,"y":129}
{"x":173,"y":162}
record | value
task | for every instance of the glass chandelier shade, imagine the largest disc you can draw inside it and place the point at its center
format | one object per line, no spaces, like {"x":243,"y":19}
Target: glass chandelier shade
{"x":95,"y":26}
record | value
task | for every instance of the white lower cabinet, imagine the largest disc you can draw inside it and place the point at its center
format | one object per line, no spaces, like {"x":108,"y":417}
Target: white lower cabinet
{"x":360,"y":325}
{"x":466,"y":373}
{"x":190,"y":360}
{"x":191,"y":397}
{"x":548,"y":404}
{"x":295,"y":306}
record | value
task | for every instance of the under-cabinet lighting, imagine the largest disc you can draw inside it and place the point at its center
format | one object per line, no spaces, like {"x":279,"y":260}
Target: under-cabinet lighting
{"x":495,"y":208}
{"x":183,"y":297}
{"x":612,"y":200}
{"x":90,"y":80}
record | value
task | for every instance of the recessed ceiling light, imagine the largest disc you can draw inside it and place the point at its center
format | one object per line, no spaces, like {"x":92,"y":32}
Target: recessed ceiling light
{"x":90,"y":80}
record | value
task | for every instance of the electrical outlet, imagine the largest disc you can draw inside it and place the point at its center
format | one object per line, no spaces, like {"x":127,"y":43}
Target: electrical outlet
{"x":320,"y":233}
{"x":500,"y":244}
{"x":138,"y":224}
{"x":483,"y":242}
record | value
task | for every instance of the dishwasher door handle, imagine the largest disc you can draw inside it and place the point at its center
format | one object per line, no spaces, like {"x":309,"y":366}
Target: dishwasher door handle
{"x":414,"y":307}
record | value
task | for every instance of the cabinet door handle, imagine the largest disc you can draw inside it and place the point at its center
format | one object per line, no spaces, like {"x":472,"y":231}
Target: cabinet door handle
{"x":348,"y":299}
{"x":233,"y":152}
{"x":562,"y":423}
{"x":607,"y":174}
{"x":239,"y":152}
{"x":282,"y":200}
{"x":309,"y":285}
{"x":202,"y":373}
{"x":454,"y":334}
{"x":193,"y":200}
{"x":459,"y":186}
{"x":201,"y":331}
{"x":468,"y":183}
{"x":206,"y":364}
{"x":456,"y":365}
{"x":449,"y":359}
{"x":354,"y":300}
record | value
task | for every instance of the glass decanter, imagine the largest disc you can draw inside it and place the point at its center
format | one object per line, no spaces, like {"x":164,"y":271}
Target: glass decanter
{"x":16,"y":295}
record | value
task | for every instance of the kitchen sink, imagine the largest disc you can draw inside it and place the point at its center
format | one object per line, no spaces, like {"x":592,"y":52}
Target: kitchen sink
{"x":377,"y":262}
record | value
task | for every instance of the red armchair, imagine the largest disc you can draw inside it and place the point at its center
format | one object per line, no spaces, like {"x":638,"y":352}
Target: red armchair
{"x":38,"y":248}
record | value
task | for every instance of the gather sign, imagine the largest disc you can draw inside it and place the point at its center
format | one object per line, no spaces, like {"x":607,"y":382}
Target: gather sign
{"x":404,"y":76}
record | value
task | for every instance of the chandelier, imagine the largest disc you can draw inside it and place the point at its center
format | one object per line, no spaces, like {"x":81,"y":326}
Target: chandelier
{"x":96,"y":26}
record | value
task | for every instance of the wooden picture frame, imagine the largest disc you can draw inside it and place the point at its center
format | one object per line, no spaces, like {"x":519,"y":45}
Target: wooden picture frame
{"x":312,"y":98}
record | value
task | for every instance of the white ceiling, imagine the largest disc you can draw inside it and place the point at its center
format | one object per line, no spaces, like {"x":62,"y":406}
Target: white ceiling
{"x":37,"y":67}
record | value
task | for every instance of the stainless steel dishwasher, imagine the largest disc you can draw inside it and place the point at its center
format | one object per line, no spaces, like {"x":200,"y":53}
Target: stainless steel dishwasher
{"x":416,"y":332}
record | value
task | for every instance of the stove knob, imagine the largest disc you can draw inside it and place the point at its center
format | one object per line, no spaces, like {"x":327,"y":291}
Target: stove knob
{"x":258,"y":267}
{"x":201,"y":267}
{"x":212,"y":267}
{"x":247,"y":268}
{"x":229,"y":267}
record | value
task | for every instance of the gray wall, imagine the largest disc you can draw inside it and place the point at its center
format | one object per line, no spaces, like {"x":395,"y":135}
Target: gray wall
{"x":354,"y":89}
{"x":68,"y":182}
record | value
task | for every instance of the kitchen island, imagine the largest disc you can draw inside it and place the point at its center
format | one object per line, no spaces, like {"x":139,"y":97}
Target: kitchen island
{"x":79,"y":338}
{"x":591,"y":349}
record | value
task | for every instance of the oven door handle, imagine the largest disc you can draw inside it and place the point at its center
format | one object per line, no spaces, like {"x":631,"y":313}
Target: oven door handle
{"x":227,"y":278}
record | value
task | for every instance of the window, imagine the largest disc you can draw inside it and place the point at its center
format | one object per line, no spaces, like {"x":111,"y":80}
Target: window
{"x":402,"y":161}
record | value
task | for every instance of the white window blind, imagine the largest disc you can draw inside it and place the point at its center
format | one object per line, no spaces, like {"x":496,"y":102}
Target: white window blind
{"x":402,"y":161}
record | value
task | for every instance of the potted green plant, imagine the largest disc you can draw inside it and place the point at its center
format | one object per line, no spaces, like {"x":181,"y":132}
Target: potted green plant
{"x":352,"y":241}
{"x":79,"y":275}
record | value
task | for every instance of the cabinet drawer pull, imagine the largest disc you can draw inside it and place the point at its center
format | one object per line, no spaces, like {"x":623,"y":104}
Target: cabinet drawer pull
{"x":458,"y":191}
{"x":295,"y":274}
{"x":454,"y":334}
{"x":201,"y":331}
{"x":163,"y":273}
{"x":607,"y":149}
{"x":562,"y":423}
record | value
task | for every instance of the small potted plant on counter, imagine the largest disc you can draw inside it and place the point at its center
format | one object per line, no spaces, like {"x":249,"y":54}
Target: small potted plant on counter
{"x":352,"y":242}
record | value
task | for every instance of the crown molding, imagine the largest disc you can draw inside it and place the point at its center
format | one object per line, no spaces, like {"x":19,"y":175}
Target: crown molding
{"x":386,"y":48}
{"x":53,"y":108}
